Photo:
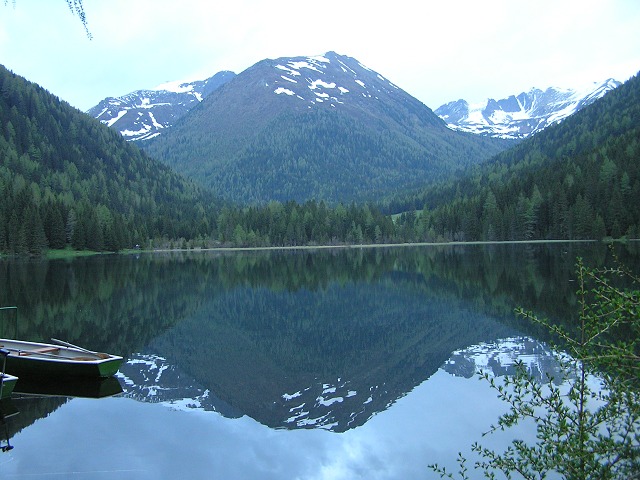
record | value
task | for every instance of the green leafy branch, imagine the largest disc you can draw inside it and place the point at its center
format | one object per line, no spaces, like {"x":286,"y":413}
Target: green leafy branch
{"x":587,"y":418}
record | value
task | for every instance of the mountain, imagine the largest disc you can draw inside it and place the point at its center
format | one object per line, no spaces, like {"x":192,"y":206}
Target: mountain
{"x":239,"y":354}
{"x":67,"y":179}
{"x":519,"y":116}
{"x":324,"y":127}
{"x":144,"y":114}
{"x":578,"y":179}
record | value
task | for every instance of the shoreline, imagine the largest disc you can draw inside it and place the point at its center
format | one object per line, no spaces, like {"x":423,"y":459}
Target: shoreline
{"x":61,"y":254}
{"x":371,"y":245}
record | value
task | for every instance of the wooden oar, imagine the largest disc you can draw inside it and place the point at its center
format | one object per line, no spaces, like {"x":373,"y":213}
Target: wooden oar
{"x":67,"y":344}
{"x":21,"y":352}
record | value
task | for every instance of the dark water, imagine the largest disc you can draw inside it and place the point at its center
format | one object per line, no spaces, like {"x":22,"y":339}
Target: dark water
{"x":337,"y":364}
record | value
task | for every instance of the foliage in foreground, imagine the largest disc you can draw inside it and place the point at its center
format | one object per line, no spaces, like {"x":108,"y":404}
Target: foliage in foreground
{"x":587,"y":421}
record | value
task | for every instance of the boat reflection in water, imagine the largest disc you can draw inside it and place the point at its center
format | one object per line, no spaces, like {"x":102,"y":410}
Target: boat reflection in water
{"x":36,"y":398}
{"x":68,"y":387}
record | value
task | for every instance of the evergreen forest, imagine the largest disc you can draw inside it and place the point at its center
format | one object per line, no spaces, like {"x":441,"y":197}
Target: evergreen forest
{"x":67,"y":181}
{"x":321,"y":155}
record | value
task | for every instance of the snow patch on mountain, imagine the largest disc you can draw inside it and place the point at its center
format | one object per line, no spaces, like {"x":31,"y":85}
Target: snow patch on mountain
{"x":286,"y":91}
{"x":175,"y":87}
{"x":113,"y":120}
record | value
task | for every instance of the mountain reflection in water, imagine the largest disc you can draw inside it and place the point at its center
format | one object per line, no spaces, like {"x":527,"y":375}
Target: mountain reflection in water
{"x":151,"y":378}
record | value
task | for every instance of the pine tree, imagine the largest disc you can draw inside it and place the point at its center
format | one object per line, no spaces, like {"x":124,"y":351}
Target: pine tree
{"x":54,"y":227}
{"x":34,"y":231}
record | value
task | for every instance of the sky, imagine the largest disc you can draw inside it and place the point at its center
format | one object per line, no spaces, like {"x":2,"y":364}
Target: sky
{"x":437,"y":51}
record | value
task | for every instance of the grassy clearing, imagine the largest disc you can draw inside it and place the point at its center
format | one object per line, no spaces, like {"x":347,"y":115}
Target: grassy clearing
{"x":69,"y":253}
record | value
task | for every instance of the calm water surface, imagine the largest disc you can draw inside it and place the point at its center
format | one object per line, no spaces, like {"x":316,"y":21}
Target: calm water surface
{"x":276,"y":365}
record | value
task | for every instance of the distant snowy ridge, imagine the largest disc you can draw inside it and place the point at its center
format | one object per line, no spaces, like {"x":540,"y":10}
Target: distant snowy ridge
{"x":144,"y":114}
{"x":520,"y":116}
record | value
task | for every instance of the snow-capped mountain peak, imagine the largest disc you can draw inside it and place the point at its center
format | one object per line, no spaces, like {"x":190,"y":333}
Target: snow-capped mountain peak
{"x":519,"y":116}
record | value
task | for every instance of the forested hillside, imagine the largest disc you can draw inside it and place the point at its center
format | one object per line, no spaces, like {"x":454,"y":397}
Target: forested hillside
{"x":579,"y":179}
{"x":321,"y":128}
{"x":67,"y":179}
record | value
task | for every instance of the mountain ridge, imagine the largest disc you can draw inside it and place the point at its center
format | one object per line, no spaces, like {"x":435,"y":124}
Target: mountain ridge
{"x":145,"y":114}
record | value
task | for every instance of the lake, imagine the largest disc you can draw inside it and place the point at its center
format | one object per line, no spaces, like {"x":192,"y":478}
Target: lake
{"x":311,"y":364}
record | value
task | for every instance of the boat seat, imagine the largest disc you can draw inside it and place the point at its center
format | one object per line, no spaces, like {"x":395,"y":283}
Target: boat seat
{"x":84,"y":359}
